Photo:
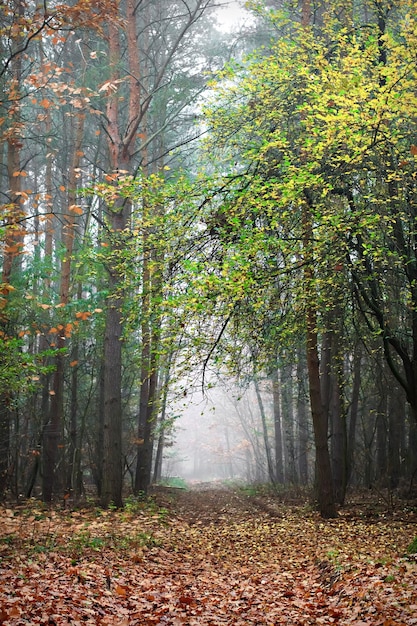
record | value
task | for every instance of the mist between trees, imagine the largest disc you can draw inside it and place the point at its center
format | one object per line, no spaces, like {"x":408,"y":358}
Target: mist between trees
{"x":234,"y":209}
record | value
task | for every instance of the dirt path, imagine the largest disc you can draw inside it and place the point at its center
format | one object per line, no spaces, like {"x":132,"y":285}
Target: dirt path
{"x":211,"y":504}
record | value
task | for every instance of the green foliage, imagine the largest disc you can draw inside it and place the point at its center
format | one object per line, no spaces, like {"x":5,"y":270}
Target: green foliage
{"x":412,"y":548}
{"x":322,"y":130}
{"x":174,"y":481}
{"x":84,"y":541}
{"x":20,"y":369}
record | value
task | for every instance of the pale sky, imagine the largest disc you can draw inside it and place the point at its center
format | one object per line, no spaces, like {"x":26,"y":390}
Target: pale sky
{"x":232,"y":15}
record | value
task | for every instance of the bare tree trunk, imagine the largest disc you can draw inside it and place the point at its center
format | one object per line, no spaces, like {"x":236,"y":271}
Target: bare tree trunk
{"x":354,"y":406}
{"x":52,"y":431}
{"x":333,"y":374}
{"x":149,"y":394}
{"x":13,"y":243}
{"x":338,"y":438}
{"x":112,"y":470}
{"x":265,"y":434}
{"x":323,"y":467}
{"x":381,"y":427}
{"x":324,"y":480}
{"x":279,"y":457}
{"x":396,"y":426}
{"x":302,"y":421}
{"x":157,"y":475}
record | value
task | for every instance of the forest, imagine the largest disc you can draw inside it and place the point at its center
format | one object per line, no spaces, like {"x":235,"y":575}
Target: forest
{"x":185,"y":204}
{"x":208,"y":312}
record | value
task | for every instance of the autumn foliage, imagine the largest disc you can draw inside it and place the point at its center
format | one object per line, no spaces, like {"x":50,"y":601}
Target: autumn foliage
{"x":207,"y":557}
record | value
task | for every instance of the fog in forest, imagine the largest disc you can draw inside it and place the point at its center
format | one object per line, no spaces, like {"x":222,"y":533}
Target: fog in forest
{"x":217,"y":435}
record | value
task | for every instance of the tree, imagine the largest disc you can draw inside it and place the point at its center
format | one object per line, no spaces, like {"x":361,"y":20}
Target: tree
{"x":311,"y":180}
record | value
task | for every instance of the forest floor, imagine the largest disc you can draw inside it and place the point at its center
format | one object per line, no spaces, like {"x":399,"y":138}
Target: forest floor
{"x":208,"y":556}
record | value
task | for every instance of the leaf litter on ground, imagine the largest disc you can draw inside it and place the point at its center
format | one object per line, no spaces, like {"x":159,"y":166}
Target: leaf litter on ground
{"x":206,"y":557}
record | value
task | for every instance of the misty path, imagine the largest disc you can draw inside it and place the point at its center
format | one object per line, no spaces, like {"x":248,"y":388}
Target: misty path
{"x":208,"y":502}
{"x":214,"y":501}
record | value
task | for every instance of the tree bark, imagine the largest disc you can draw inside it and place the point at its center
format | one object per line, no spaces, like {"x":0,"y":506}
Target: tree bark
{"x":269,"y":463}
{"x":279,"y":457}
{"x":13,"y":243}
{"x":324,"y":480}
{"x":323,"y":467}
{"x":112,"y":471}
{"x":302,"y":421}
{"x":353,"y":416}
{"x":52,"y":431}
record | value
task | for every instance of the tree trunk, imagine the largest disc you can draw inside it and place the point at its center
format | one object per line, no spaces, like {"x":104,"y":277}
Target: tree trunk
{"x":279,"y":457}
{"x":323,"y":467}
{"x":333,"y":374}
{"x":157,"y":475}
{"x":13,"y":241}
{"x":52,"y":431}
{"x":269,"y":463}
{"x":354,"y":406}
{"x":396,"y":425}
{"x":381,"y":428}
{"x":324,"y":480}
{"x":287,"y":395}
{"x":112,"y":471}
{"x":302,"y":421}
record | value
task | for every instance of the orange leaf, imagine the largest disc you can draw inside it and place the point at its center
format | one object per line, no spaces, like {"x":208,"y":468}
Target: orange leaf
{"x":82,"y":315}
{"x":413,"y":150}
{"x":74,"y":208}
{"x":121,"y":591}
{"x":73,"y":363}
